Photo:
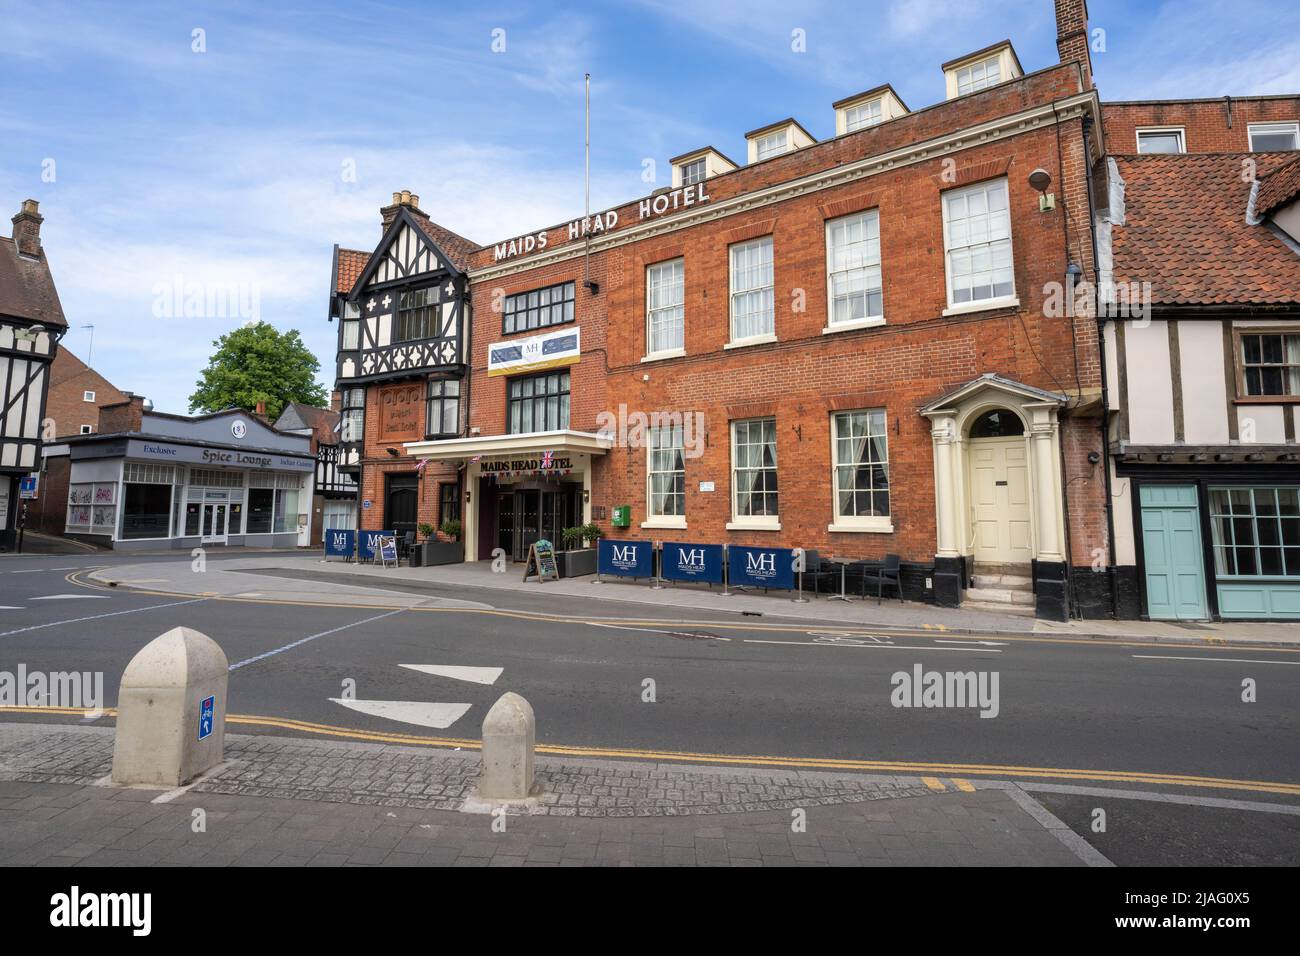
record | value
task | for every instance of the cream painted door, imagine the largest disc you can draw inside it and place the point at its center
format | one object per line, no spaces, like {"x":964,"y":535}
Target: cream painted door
{"x":1001,"y":531}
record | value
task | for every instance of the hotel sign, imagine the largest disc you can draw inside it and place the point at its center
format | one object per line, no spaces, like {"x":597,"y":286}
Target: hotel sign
{"x":545,"y":464}
{"x":652,"y":207}
{"x":551,"y":350}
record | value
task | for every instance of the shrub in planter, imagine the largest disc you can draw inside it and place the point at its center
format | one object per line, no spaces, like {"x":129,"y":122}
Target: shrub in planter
{"x":425,"y":530}
{"x":451,"y":528}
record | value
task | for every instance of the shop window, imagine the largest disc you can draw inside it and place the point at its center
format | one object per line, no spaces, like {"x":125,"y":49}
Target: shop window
{"x":444,"y":407}
{"x":1269,"y":364}
{"x":666,"y":465}
{"x":753,"y":468}
{"x":146,"y":511}
{"x":861,"y":466}
{"x":539,"y":403}
{"x":261,"y":510}
{"x":1256,"y":531}
{"x":538,"y":308}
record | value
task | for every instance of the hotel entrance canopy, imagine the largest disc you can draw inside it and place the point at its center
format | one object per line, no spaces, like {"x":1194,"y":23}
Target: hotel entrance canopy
{"x":528,"y":444}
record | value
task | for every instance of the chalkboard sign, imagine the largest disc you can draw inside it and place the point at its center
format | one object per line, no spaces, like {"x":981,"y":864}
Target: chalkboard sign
{"x":541,"y":561}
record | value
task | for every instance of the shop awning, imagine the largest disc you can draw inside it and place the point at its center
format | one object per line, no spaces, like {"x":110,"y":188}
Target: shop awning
{"x":561,"y":441}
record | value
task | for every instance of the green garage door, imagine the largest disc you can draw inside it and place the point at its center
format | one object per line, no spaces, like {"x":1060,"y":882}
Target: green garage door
{"x":1171,"y":551}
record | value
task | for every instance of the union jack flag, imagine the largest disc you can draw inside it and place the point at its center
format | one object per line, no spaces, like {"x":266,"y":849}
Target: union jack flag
{"x":548,"y":458}
{"x":419,"y":469}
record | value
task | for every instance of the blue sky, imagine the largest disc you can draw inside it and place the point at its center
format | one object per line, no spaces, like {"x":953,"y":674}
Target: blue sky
{"x":158,"y":167}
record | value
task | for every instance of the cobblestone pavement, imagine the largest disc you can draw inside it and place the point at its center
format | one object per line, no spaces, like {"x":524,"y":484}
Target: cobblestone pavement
{"x":286,"y":801}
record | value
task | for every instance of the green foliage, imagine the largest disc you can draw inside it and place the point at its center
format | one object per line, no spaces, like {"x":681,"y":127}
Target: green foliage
{"x":591,"y":532}
{"x":425,"y":529}
{"x":451,"y":528}
{"x":257,"y":363}
{"x":572,"y":538}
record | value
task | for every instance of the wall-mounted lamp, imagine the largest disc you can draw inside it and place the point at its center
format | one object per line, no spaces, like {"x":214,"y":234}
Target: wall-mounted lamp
{"x":30,"y":333}
{"x":466,"y":496}
{"x":586,"y":496}
{"x":1040,"y":179}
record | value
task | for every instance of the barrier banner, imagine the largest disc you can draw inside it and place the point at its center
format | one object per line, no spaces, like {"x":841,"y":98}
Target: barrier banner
{"x":340,"y":542}
{"x":760,"y":567}
{"x":628,"y":559}
{"x":368,"y":541}
{"x":691,"y":562}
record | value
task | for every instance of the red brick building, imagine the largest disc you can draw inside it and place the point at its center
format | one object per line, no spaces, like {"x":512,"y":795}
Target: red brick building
{"x":865,"y":346}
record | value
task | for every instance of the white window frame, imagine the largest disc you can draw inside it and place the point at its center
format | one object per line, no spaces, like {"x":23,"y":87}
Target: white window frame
{"x":350,"y":328}
{"x":874,"y":110}
{"x":702,"y":163}
{"x":745,"y":522}
{"x":88,"y":396}
{"x":983,"y":83}
{"x":1292,"y":127}
{"x":977,"y":305}
{"x":655,"y":519}
{"x":772,"y":144}
{"x":678,"y":266}
{"x":1179,"y":131}
{"x":870,"y":216}
{"x":87,"y":429}
{"x":879,"y":524}
{"x":735,"y":293}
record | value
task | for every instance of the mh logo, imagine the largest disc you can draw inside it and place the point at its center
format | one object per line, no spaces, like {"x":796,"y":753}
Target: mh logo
{"x":762,"y":563}
{"x":625,"y":553}
{"x":694,"y":558}
{"x":340,"y":539}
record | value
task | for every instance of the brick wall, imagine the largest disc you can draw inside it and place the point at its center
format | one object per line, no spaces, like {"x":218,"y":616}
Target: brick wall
{"x":1212,"y":126}
{"x":70,"y":379}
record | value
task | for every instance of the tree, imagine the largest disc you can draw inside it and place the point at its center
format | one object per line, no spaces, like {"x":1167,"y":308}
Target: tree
{"x":255,"y":363}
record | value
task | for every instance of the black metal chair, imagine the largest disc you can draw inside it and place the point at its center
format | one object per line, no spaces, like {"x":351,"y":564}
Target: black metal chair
{"x":887,"y":573}
{"x":404,"y":545}
{"x":818,"y":569}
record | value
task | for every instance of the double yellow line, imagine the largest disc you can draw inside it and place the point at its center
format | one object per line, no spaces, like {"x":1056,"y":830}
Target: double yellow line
{"x":892,"y":767}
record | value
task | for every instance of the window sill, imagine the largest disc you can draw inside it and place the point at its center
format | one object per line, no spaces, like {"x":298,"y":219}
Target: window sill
{"x":661,"y":356}
{"x":753,"y":340}
{"x":870,"y":323}
{"x":670,"y":523}
{"x":1267,"y":400}
{"x":884,"y":526}
{"x":751,"y":525}
{"x":984,"y":305}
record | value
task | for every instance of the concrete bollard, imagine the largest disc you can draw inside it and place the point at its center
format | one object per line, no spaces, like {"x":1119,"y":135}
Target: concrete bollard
{"x":509,"y":735}
{"x":171,"y":711}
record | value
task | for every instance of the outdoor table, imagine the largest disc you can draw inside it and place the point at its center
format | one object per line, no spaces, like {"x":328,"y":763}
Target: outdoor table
{"x":843,"y":563}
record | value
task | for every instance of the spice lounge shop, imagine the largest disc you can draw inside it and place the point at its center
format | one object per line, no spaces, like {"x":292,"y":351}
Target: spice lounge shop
{"x":181,"y":482}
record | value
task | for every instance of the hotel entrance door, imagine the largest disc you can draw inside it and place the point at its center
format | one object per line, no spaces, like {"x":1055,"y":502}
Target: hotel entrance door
{"x":524,"y":515}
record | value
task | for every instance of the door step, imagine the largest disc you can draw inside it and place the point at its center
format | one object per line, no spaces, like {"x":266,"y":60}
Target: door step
{"x":997,"y":607}
{"x":1011,"y":582}
{"x":1000,"y":596}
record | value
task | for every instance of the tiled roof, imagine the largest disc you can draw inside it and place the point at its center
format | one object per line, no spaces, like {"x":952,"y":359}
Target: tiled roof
{"x":1186,"y":233}
{"x":27,"y":288}
{"x":1278,"y":187}
{"x":320,"y":420}
{"x":456,"y":248}
{"x":351,"y":264}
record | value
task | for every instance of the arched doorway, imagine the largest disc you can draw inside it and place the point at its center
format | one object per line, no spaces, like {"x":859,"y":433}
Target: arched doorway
{"x":1001,"y":507}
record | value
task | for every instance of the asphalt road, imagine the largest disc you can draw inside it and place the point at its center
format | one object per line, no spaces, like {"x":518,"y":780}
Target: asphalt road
{"x":729,"y":685}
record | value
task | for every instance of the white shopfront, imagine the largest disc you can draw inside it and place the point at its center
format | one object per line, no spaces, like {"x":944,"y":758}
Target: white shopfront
{"x":167,"y":492}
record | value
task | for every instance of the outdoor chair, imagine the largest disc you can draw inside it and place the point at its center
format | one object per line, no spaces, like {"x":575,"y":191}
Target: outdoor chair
{"x":886,"y":574}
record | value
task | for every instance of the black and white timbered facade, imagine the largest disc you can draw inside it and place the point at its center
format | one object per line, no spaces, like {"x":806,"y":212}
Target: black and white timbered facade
{"x":31,"y":324}
{"x":403,"y":314}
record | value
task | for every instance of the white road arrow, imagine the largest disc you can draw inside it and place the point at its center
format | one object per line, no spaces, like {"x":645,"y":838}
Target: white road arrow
{"x":72,"y":597}
{"x":418,"y":712}
{"x":477,"y":675}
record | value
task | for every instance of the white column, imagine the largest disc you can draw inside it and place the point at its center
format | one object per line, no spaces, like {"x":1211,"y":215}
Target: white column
{"x":943,"y":433}
{"x":1047,"y":493}
{"x":469,"y":513}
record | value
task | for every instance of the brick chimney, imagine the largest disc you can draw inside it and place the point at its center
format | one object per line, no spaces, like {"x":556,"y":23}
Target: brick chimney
{"x":1072,"y":36}
{"x":27,"y":229}
{"x":336,"y":401}
{"x":404,"y":198}
{"x":122,"y":416}
{"x":260,"y":410}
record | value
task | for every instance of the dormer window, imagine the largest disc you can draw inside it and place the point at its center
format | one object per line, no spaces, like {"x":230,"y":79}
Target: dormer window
{"x":864,"y":110}
{"x":982,"y":69}
{"x":863,"y":115}
{"x":693,"y":168}
{"x":1274,"y":137}
{"x":776,"y":139}
{"x":771,"y":144}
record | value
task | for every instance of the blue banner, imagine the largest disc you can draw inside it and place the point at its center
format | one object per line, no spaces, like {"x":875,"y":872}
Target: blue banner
{"x":691,"y":562}
{"x":340,"y":543}
{"x":629,"y":559}
{"x":367,"y":541}
{"x":760,"y":567}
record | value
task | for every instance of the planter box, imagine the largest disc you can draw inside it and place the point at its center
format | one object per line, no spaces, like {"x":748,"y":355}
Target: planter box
{"x":440,"y":552}
{"x":576,"y":564}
